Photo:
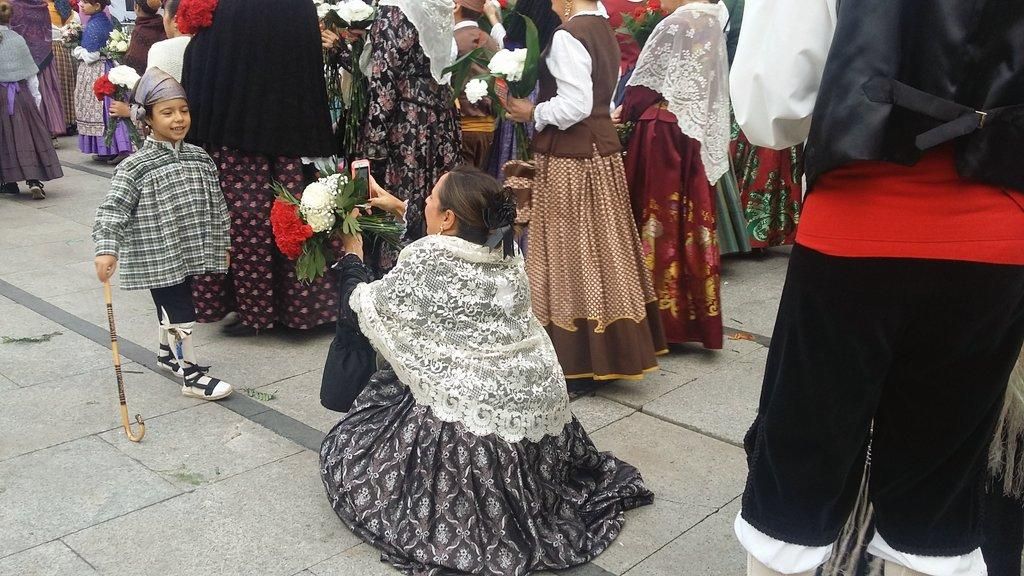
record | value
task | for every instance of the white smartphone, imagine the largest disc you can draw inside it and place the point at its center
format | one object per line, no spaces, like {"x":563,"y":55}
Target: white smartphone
{"x":361,"y":171}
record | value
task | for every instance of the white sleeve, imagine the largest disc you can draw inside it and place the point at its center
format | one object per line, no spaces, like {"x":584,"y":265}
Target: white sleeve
{"x":779,"y":62}
{"x":570,"y":64}
{"x":498,"y":33}
{"x":33,"y":89}
{"x":91,"y":57}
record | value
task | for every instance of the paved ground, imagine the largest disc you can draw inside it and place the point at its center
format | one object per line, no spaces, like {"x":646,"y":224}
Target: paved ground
{"x":233,"y":488}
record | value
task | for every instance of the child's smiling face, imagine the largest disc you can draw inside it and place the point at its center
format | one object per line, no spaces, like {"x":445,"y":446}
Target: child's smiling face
{"x":170,"y":120}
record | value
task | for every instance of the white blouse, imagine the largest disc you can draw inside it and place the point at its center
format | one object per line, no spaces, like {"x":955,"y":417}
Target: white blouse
{"x":571,"y":65}
{"x":779,"y":62}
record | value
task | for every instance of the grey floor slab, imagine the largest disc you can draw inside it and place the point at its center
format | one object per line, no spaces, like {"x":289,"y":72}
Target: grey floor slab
{"x":7,"y":384}
{"x":50,"y":559}
{"x":273,"y":520}
{"x":709,"y":549}
{"x":647,"y":529}
{"x":244,"y":361}
{"x":203,"y":444}
{"x":596,"y":412}
{"x":50,"y":493}
{"x":51,"y":281}
{"x":45,"y":256}
{"x":80,"y":405}
{"x":64,"y":354}
{"x":684,"y":364}
{"x":750,"y":295}
{"x":299,"y":397}
{"x":45,"y":228}
{"x":721,"y":404}
{"x":677,"y":465}
{"x":361,"y":560}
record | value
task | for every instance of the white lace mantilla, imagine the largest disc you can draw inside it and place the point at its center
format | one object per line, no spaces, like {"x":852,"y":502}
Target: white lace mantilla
{"x":435,"y":24}
{"x":685,"y":60}
{"x":454,"y":321}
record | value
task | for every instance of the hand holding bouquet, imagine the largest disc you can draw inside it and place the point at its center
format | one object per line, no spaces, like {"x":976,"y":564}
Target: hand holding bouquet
{"x":510,"y":73}
{"x":329,"y":208}
{"x":117,"y":85}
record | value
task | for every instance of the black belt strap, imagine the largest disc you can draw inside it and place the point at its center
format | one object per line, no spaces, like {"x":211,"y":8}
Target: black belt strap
{"x":959,"y":120}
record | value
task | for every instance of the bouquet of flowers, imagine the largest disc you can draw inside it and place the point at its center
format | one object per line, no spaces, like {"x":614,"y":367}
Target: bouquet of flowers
{"x":303,"y":228}
{"x":71,"y":34}
{"x":118,"y":84}
{"x":641,"y":23}
{"x":351,"y":15}
{"x":510,"y":72}
{"x":117,"y":45}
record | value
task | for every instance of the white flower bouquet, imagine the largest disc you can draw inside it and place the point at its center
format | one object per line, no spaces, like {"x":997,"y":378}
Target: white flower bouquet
{"x":117,"y":45}
{"x":510,"y":72}
{"x":304,"y":228}
{"x":71,"y":34}
{"x":354,"y":14}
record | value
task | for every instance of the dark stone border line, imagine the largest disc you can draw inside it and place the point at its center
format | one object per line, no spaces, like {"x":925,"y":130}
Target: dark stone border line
{"x":87,"y":170}
{"x":281,"y":424}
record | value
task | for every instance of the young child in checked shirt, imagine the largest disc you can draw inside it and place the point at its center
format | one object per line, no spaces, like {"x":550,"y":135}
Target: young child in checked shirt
{"x":165,"y":221}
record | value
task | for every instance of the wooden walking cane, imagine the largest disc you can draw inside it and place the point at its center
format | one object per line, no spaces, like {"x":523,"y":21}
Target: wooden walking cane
{"x":117,"y":370}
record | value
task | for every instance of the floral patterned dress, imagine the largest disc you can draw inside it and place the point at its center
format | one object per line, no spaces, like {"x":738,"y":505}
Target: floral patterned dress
{"x":771,"y":187}
{"x":411,"y":132}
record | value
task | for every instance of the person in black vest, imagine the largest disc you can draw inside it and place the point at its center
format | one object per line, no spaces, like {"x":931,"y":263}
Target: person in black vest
{"x":903,"y":310}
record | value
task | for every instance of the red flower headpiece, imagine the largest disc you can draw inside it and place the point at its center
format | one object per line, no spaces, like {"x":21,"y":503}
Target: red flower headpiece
{"x":103,"y":88}
{"x":195,"y":15}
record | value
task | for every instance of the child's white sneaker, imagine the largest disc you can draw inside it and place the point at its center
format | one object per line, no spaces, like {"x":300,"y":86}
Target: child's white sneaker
{"x":197,"y":384}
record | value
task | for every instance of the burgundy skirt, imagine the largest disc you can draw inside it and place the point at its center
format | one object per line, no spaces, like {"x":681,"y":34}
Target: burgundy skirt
{"x":261,"y":285}
{"x":26,"y":150}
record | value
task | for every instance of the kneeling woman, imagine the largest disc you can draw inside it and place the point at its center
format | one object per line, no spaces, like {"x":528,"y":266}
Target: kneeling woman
{"x":460,"y":455}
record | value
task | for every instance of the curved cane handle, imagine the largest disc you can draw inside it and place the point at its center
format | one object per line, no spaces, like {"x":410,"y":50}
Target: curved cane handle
{"x":128,"y":425}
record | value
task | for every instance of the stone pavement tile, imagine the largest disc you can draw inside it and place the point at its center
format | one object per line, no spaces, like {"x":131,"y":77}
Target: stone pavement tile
{"x":18,"y":220}
{"x":257,"y":361}
{"x":721,"y":404}
{"x":596,"y":412}
{"x":274,"y":520}
{"x":363,"y":560}
{"x":677,"y":465}
{"x":48,"y":414}
{"x":50,"y":493}
{"x":90,"y":306}
{"x":50,"y":559}
{"x":57,"y":280}
{"x":65,"y":354}
{"x":709,"y":549}
{"x":202,"y":444}
{"x":751,"y":302}
{"x":299,"y":397}
{"x":647,"y":529}
{"x":7,"y":384}
{"x":45,"y":228}
{"x":45,"y":256}
{"x":677,"y":368}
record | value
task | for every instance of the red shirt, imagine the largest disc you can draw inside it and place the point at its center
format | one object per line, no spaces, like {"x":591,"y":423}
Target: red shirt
{"x":878,"y":209}
{"x":630,"y":49}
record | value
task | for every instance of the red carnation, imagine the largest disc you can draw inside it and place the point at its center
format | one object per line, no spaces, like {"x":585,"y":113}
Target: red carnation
{"x":103,"y":88}
{"x":195,"y":15}
{"x":639,"y":13}
{"x":290,"y":232}
{"x":654,"y":5}
{"x":503,"y":4}
{"x":74,"y":5}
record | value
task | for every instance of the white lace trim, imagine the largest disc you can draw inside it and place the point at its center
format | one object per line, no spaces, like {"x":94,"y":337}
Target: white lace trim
{"x":454,"y":321}
{"x":435,"y":24}
{"x":685,"y":61}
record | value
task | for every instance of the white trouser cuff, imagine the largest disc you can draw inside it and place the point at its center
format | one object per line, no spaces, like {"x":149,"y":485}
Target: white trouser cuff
{"x":780,"y":556}
{"x":972,"y":564}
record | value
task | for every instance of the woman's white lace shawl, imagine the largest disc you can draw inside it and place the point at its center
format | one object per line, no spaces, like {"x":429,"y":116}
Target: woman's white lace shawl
{"x":435,"y":24}
{"x":454,"y":321}
{"x":685,"y":60}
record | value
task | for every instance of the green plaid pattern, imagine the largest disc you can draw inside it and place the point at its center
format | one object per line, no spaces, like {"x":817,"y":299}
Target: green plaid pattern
{"x":164,"y":218}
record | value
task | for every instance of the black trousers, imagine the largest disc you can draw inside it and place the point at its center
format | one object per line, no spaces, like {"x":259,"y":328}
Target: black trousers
{"x":1004,"y":535}
{"x":176,"y":301}
{"x":919,"y":350}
